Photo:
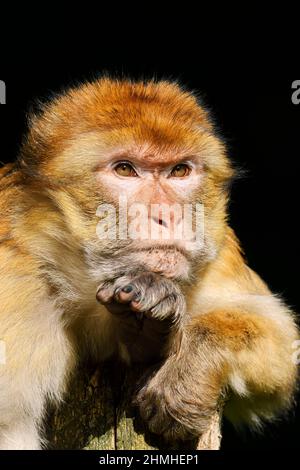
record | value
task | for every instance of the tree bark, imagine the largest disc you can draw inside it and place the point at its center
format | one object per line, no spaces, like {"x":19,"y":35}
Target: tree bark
{"x":97,"y":414}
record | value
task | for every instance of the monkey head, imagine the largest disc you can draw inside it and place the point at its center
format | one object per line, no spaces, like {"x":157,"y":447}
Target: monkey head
{"x":150,"y":144}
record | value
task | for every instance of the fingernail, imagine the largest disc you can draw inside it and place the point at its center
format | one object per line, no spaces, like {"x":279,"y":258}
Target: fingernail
{"x":127,"y":289}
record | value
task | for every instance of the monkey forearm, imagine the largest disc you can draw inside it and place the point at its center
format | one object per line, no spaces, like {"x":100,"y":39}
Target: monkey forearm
{"x":222,"y":351}
{"x":253,"y":351}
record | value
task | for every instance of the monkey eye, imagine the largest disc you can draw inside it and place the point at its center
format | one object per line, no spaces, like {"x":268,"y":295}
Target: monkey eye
{"x":125,"y":169}
{"x":181,"y":170}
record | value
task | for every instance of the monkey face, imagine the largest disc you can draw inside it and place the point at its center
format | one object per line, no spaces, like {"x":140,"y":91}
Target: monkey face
{"x":154,"y":190}
{"x":142,"y":166}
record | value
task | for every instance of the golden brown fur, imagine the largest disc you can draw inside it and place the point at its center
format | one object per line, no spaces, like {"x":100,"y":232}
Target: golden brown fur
{"x":235,"y":335}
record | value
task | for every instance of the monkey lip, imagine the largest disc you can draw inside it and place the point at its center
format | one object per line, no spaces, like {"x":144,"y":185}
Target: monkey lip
{"x":169,"y":260}
{"x":165,"y":247}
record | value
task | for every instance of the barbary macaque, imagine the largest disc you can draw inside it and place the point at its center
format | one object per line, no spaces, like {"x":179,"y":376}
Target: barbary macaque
{"x":189,"y":303}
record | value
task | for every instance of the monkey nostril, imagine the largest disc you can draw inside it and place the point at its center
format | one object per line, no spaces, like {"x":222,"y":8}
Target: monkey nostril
{"x":160,"y":221}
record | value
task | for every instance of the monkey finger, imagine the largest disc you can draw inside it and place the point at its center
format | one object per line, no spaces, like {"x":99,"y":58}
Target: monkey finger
{"x":136,"y":305}
{"x":126,"y":294}
{"x":152,"y":293}
{"x":171,"y":306}
{"x":104,"y":295}
{"x":109,"y":297}
{"x":108,"y":290}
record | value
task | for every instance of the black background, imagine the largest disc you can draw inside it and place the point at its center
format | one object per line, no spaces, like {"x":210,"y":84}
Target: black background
{"x":251,"y":102}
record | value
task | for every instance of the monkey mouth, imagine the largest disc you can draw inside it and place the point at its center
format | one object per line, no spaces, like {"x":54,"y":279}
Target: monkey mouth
{"x":167,"y":259}
{"x":165,"y":247}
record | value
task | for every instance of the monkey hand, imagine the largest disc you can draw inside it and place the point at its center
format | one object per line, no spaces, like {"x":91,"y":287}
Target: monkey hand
{"x":148,"y":294}
{"x":179,"y":401}
{"x":148,"y":308}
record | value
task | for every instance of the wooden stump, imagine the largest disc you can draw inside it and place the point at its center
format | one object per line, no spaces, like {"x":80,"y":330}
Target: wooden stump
{"x":97,"y":414}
